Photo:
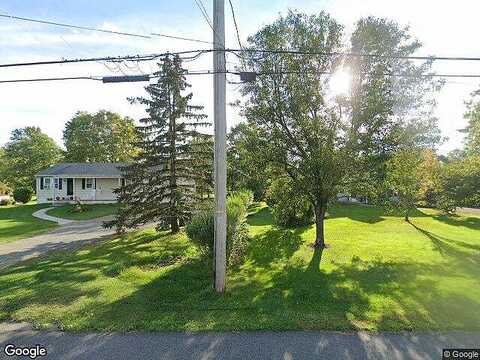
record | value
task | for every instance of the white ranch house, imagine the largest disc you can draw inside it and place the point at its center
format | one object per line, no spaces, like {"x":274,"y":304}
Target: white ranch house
{"x":87,"y":182}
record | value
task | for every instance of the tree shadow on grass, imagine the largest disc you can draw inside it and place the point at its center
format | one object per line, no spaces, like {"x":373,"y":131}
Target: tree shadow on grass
{"x":296,"y":294}
{"x":456,"y":220}
{"x":460,"y":250}
{"x":63,"y":277}
{"x":359,"y":294}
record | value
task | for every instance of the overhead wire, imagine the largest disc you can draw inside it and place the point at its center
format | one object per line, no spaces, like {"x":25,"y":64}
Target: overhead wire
{"x":204,"y":12}
{"x":105,"y":31}
{"x":39,"y":21}
{"x":145,"y":57}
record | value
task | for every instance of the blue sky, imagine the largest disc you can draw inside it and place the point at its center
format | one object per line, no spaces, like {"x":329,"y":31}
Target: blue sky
{"x":445,"y":28}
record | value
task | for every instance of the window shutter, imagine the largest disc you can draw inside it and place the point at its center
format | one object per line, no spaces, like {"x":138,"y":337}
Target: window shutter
{"x":41,"y":183}
{"x":83,"y":184}
{"x":60,"y":185}
{"x":95,"y":183}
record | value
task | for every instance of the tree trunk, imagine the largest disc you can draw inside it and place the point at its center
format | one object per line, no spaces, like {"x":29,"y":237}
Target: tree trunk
{"x":406,"y":215}
{"x":174,"y":227}
{"x":319,"y":224}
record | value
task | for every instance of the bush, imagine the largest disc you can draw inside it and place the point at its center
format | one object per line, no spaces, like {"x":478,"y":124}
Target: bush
{"x":245,"y":195}
{"x":201,"y":230}
{"x":288,"y":207}
{"x":23,"y":195}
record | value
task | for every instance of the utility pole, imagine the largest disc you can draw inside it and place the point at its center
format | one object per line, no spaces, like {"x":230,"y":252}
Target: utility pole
{"x":220,"y":128}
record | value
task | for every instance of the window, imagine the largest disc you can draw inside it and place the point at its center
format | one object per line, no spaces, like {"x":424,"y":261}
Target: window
{"x":46,"y":183}
{"x":89,"y":183}
{"x":56,"y":183}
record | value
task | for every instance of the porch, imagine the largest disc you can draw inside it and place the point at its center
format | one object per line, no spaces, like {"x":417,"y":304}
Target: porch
{"x":66,"y":190}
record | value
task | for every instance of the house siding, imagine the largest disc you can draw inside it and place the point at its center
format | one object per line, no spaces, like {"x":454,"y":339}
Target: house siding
{"x":102,"y":194}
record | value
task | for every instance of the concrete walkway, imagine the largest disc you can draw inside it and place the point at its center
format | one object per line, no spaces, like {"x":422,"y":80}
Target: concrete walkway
{"x":237,"y":345}
{"x":70,"y":235}
{"x":42,"y":214}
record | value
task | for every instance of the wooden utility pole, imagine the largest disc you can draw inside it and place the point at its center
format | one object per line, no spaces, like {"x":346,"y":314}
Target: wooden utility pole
{"x":220,"y":128}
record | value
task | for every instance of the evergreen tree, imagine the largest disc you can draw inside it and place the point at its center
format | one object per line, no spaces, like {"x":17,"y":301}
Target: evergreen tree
{"x":160,"y":185}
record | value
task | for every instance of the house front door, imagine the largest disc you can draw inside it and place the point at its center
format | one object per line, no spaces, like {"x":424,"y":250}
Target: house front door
{"x":69,"y":187}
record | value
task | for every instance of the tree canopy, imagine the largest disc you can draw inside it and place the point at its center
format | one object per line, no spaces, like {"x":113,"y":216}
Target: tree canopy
{"x":317,"y":138}
{"x":28,"y":151}
{"x":388,"y":111}
{"x":100,"y":137}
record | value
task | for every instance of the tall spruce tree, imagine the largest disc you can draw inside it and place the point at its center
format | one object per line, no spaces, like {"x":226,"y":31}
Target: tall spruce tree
{"x":160,"y":185}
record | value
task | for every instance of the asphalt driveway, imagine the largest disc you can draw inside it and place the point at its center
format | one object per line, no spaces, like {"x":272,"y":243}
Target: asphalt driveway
{"x":67,"y":236}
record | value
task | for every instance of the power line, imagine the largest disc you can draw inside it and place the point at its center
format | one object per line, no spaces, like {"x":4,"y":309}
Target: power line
{"x":350,"y":54}
{"x":52,"y":79}
{"x":145,"y":36}
{"x":378,"y":74}
{"x":182,"y":38}
{"x":204,"y":12}
{"x":205,"y":15}
{"x":235,"y":24}
{"x":212,"y":72}
{"x":203,"y":51}
{"x":74,"y":26}
{"x":108,"y":58}
{"x":101,"y":78}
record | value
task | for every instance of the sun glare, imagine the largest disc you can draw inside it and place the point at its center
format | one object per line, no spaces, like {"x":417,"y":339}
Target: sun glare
{"x":340,"y":82}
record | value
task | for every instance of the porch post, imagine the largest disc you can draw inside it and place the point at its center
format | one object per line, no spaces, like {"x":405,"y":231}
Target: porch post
{"x":52,"y":185}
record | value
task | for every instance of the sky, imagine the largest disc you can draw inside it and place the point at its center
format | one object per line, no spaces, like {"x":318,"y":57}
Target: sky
{"x":445,"y":28}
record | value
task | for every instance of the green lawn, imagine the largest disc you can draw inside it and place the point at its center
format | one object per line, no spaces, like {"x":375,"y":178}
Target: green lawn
{"x":17,"y":222}
{"x":379,"y":273}
{"x":93,"y":211}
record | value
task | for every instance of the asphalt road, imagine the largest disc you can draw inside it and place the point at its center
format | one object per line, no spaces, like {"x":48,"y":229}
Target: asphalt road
{"x":237,"y":345}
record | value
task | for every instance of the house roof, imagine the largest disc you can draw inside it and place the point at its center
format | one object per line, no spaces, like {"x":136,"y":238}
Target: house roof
{"x":84,"y":169}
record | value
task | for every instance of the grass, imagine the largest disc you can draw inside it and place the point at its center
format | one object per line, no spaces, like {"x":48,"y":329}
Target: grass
{"x":92,"y":211}
{"x":380,"y":273}
{"x":17,"y":222}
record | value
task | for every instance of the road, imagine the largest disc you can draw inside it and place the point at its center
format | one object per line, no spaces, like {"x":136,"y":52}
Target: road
{"x":237,"y":345}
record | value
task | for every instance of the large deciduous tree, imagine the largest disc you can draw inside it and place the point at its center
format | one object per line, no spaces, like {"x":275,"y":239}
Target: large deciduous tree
{"x":305,"y":135}
{"x":317,"y":138}
{"x":28,"y":152}
{"x":390,"y":102}
{"x":100,"y":137}
{"x":160,"y":184}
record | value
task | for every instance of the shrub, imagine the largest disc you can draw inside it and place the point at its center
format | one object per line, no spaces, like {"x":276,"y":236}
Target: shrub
{"x":288,"y":206}
{"x":23,"y":195}
{"x":201,"y":230}
{"x":245,"y":195}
